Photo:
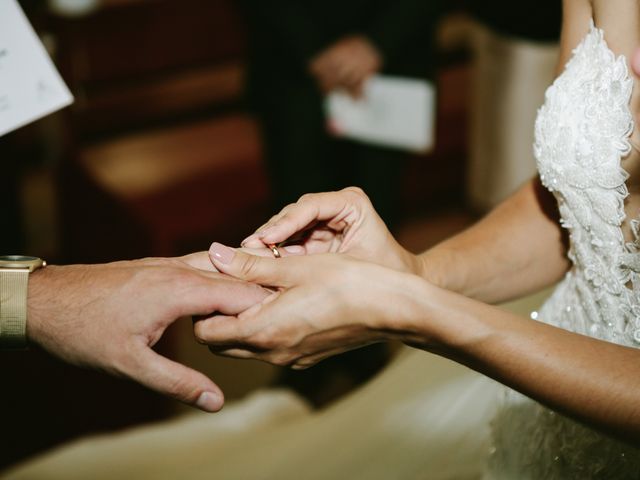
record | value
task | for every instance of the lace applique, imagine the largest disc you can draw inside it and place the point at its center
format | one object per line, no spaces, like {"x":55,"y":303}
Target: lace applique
{"x":582,"y":135}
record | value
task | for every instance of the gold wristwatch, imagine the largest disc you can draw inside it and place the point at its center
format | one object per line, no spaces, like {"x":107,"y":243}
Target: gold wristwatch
{"x":14,"y":280}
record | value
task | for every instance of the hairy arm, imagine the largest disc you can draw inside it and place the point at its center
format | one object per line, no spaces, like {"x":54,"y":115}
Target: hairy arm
{"x":109,"y":316}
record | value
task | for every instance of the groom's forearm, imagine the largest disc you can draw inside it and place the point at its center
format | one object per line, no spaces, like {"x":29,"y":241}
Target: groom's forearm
{"x":516,"y":249}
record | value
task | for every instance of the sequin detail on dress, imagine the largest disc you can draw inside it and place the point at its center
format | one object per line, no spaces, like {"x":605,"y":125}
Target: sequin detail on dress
{"x":582,"y":136}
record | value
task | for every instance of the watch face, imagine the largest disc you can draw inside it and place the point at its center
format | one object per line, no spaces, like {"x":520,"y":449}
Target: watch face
{"x":21,"y":262}
{"x":17,"y":258}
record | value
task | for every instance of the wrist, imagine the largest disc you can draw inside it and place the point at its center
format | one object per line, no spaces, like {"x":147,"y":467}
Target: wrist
{"x":407,"y":308}
{"x":428,"y":267}
{"x":33,"y":311}
{"x":437,"y":266}
{"x":411,"y":324}
{"x":402,"y":260}
{"x":447,"y":323}
{"x":36,"y":300}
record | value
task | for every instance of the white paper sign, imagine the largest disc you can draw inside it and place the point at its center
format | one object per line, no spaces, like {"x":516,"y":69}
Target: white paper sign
{"x":30,"y":85}
{"x":394,"y":111}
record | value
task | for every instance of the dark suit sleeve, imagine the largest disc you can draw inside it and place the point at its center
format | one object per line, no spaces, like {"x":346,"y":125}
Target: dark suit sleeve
{"x":401,"y":22}
{"x":289,"y":21}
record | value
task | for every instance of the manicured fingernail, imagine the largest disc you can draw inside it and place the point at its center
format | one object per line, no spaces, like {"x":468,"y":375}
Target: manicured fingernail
{"x":222,"y":253}
{"x":253,"y":236}
{"x":209,"y":402}
{"x":294,"y":249}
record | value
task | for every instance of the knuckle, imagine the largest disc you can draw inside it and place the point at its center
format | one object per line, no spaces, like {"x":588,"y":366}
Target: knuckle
{"x":282,"y":359}
{"x":284,"y":212}
{"x":200,"y":333}
{"x":301,"y":365}
{"x":233,"y":351}
{"x":156,"y":262}
{"x":175,"y":388}
{"x":356,"y":193}
{"x":183,"y":283}
{"x":176,"y":277}
{"x":355,"y":189}
{"x":306,"y":197}
{"x":249,"y":265}
{"x":263,"y":340}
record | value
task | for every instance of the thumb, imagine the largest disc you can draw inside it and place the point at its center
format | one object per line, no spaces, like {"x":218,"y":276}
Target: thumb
{"x":251,"y":268}
{"x":175,"y":380}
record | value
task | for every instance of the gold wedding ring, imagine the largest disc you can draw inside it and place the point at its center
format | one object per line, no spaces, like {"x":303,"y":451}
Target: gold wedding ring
{"x":274,"y":250}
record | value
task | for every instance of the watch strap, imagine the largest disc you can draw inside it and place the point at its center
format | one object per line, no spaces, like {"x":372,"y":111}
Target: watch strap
{"x":13,"y":308}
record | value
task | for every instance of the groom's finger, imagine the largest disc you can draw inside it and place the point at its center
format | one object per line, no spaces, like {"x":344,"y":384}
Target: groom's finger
{"x":174,"y":380}
{"x":221,"y":332}
{"x":201,"y":293}
{"x":310,"y":209}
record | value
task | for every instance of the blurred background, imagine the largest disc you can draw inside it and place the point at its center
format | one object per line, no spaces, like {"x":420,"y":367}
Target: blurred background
{"x":171,"y":145}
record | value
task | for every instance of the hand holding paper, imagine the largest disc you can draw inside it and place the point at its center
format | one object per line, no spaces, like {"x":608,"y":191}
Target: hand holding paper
{"x":346,"y":64}
{"x":393,"y":111}
{"x":30,"y":86}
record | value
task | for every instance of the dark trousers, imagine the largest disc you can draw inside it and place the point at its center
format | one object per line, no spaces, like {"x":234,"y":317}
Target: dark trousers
{"x":302,"y":157}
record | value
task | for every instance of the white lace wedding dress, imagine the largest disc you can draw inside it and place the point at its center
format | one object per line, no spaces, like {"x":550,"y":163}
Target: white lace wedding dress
{"x":582,"y":141}
{"x":426,"y":417}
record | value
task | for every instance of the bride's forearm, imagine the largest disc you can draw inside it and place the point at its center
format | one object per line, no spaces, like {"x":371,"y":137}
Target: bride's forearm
{"x":595,"y":382}
{"x":517,"y":249}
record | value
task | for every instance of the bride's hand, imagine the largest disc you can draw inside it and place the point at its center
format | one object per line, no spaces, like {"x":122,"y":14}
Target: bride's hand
{"x":323,"y":305}
{"x":335,"y":222}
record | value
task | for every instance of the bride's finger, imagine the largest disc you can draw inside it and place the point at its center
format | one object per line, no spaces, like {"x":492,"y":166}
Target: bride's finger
{"x":336,"y":208}
{"x":254,"y":240}
{"x":233,"y":353}
{"x":297,"y":217}
{"x":266,"y":251}
{"x":199,"y":260}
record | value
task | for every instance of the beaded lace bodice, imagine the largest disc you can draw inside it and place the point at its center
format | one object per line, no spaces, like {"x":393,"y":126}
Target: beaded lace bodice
{"x":582,"y":135}
{"x":582,"y":141}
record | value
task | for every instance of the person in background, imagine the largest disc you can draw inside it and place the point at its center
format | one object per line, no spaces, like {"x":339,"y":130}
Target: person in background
{"x":298,"y":52}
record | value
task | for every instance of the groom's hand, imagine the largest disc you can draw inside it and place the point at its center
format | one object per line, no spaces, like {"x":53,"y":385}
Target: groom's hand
{"x":109,"y":317}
